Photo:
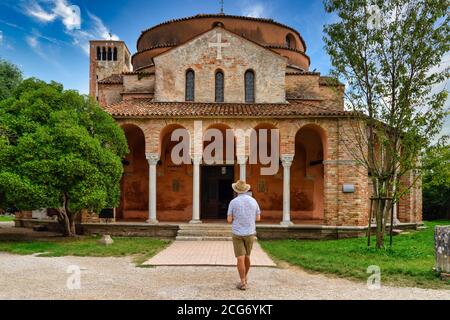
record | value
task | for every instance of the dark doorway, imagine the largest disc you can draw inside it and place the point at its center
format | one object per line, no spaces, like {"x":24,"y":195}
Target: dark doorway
{"x":216,"y":191}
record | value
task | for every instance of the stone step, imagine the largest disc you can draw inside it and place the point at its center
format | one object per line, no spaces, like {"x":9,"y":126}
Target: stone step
{"x":397,"y":231}
{"x":199,"y":238}
{"x":206,"y":229}
{"x":205,"y":226}
{"x":204,"y":233}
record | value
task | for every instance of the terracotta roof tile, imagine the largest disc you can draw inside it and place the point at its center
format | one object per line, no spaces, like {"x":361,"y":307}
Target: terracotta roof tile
{"x":151,"y":109}
{"x":114,"y":79}
{"x":198,"y":16}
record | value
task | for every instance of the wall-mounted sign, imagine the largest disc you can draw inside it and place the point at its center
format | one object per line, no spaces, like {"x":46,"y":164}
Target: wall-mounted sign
{"x":348,"y":188}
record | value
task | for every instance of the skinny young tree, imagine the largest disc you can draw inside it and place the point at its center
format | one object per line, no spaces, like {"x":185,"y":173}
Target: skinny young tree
{"x":390,"y":53}
{"x":59,"y":150}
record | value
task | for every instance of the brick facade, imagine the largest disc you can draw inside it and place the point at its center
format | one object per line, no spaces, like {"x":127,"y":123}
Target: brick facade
{"x":306,"y":108}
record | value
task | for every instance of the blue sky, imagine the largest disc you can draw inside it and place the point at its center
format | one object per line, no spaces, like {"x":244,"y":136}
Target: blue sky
{"x":48,"y":39}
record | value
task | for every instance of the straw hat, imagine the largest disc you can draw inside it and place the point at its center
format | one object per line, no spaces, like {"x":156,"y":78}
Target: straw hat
{"x":241,"y":187}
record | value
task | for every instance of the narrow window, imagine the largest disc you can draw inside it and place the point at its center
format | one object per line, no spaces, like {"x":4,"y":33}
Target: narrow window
{"x":290,"y":41}
{"x":110,"y":54}
{"x":104,"y":54}
{"x":190,"y":85}
{"x":115,"y":54}
{"x":220,"y":87}
{"x":99,"y":54}
{"x":249,"y":86}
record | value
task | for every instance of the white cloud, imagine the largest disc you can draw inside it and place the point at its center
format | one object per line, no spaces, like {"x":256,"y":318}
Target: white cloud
{"x":96,"y":30}
{"x":100,"y":30}
{"x":34,"y":9}
{"x":70,"y":14}
{"x":54,"y":9}
{"x":255,"y":10}
{"x":1,"y":37}
{"x":80,"y":31}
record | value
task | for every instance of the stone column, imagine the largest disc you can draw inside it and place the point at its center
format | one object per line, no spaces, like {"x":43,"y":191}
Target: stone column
{"x":152,"y":159}
{"x":242,"y":161}
{"x":196,"y":161}
{"x":287,"y":163}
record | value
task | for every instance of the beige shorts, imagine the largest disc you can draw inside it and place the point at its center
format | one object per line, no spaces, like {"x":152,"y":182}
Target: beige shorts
{"x":243,"y":245}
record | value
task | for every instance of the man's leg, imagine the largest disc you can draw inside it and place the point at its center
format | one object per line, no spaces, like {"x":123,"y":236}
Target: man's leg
{"x":241,"y":266}
{"x":248,"y":242}
{"x":247,"y":267}
{"x":239,"y":251}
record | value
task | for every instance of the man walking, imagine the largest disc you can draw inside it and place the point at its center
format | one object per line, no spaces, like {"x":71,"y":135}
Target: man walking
{"x":243,"y":213}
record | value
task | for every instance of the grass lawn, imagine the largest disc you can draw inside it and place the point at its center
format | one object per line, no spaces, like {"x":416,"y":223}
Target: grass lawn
{"x":140,"y":248}
{"x":6,"y":218}
{"x":408,"y":263}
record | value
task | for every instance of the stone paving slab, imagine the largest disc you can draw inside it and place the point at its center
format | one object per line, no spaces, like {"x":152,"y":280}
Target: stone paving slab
{"x":206,"y":253}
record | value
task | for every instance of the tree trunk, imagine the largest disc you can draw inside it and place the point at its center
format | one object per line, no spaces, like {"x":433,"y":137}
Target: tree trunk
{"x":379,"y":214}
{"x":66,"y":219}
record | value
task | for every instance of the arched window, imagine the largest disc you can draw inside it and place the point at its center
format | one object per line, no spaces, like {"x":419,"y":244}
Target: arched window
{"x":190,"y":85}
{"x":249,"y":86}
{"x":99,"y":54}
{"x":220,"y":85}
{"x":290,"y":41}
{"x":115,"y":54}
{"x":104,"y":54}
{"x":110,"y":54}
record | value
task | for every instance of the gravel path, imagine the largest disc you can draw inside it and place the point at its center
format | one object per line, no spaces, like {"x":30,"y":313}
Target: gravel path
{"x":30,"y":277}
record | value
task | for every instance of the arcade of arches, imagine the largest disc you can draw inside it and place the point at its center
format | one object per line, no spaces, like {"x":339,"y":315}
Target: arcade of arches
{"x":305,"y":190}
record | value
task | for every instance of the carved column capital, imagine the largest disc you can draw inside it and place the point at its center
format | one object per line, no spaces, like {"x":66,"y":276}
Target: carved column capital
{"x":287,"y":159}
{"x":242,"y":159}
{"x":197,"y":159}
{"x":152,"y":158}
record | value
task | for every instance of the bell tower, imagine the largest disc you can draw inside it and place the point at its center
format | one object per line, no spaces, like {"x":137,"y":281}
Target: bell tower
{"x":107,"y":57}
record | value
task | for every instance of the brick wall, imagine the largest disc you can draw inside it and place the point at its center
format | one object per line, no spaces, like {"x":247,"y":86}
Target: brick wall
{"x":99,"y":70}
{"x":240,"y":56}
{"x":109,"y":94}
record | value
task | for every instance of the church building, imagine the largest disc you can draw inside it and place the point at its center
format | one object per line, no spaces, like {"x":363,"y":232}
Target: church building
{"x":223,"y":72}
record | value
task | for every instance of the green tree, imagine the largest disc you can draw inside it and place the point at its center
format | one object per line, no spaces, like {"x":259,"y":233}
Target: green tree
{"x":436,"y":182}
{"x":59,"y":150}
{"x":10,"y":78}
{"x":389,"y":52}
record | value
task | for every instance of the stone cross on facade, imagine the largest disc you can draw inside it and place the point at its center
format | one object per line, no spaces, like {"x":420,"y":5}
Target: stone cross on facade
{"x":219,"y":45}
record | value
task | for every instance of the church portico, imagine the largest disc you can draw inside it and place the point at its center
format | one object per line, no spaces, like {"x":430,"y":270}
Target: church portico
{"x":294,"y":194}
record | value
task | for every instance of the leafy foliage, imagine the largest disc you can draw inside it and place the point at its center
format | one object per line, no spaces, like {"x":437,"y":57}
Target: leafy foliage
{"x":10,"y":78}
{"x":58,"y":149}
{"x":436,"y":182}
{"x":390,"y":52}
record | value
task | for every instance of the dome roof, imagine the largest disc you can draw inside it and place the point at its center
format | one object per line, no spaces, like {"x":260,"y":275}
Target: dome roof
{"x":273,"y":35}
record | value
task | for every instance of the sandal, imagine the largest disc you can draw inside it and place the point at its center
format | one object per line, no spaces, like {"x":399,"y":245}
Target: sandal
{"x":241,"y":286}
